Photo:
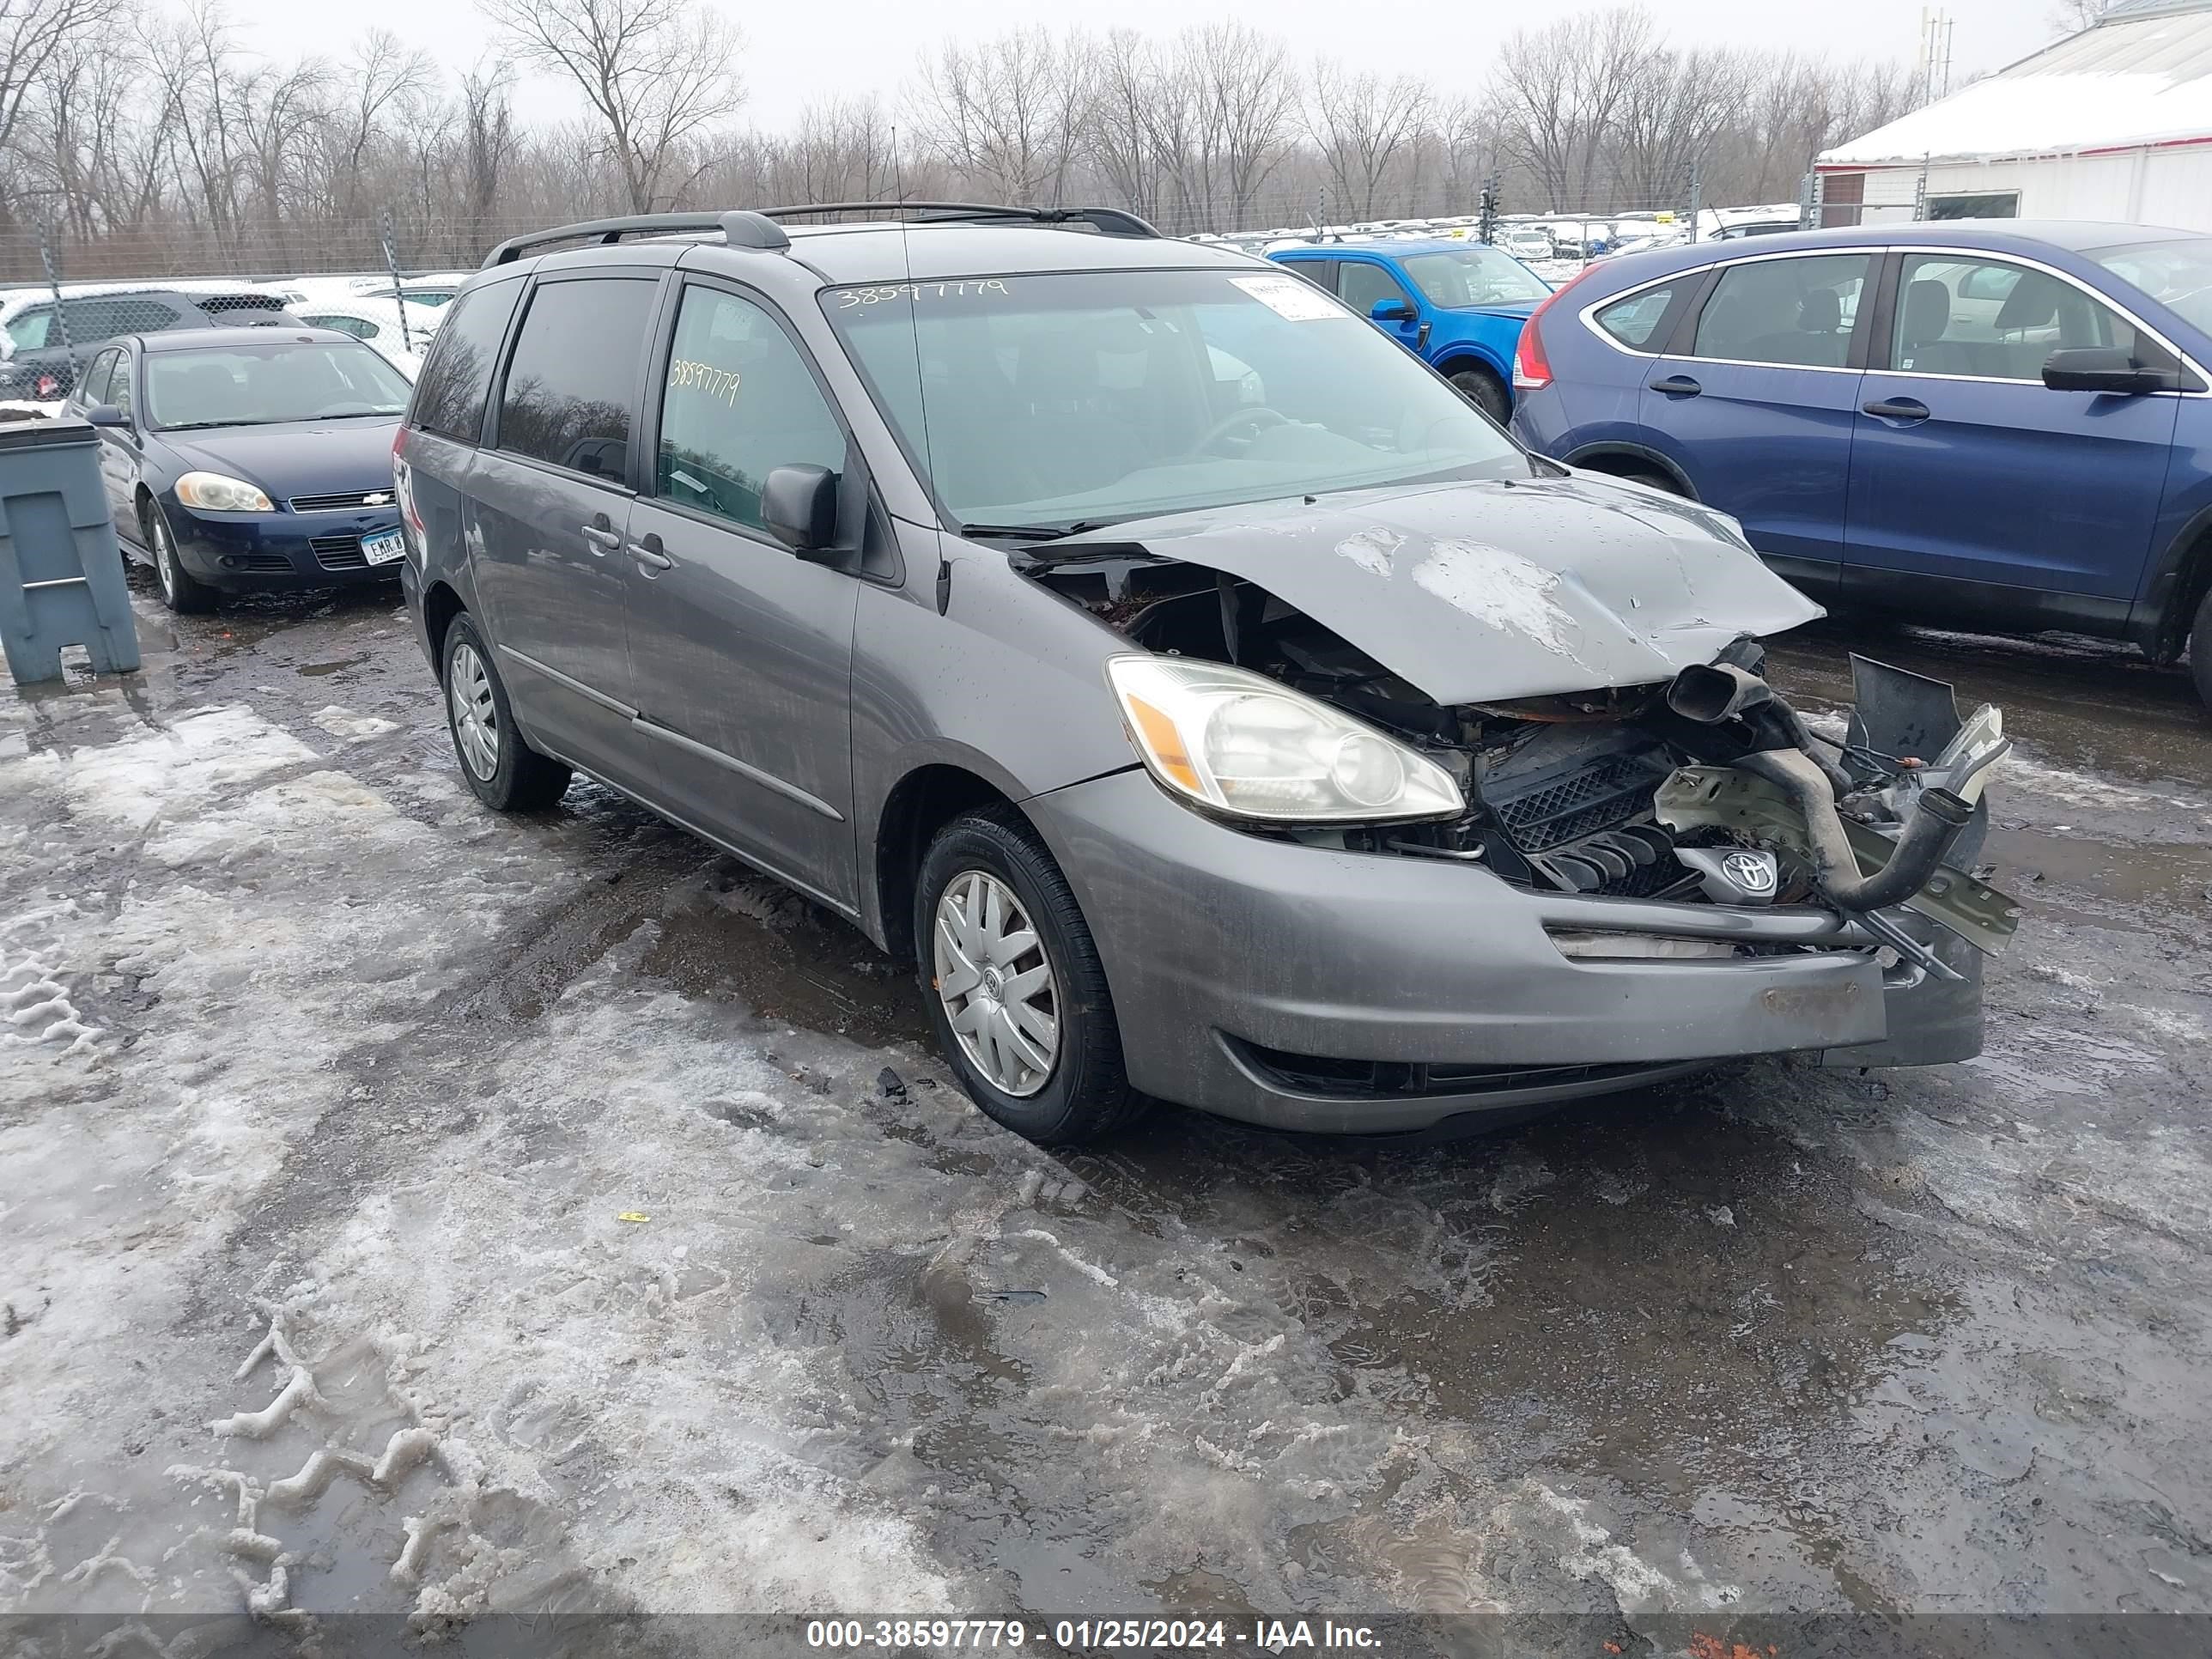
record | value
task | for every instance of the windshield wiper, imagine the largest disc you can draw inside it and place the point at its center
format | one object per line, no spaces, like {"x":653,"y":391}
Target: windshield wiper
{"x":203,"y":426}
{"x":1026,"y":533}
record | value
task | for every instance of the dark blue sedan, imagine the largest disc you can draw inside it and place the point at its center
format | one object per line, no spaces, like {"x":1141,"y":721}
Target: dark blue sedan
{"x":1991,"y":423}
{"x":248,"y":457}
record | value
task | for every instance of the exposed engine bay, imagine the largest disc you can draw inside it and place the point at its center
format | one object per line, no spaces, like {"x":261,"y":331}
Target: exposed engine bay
{"x":1709,"y":787}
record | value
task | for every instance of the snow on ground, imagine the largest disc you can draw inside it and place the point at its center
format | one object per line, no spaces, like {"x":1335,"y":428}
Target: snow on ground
{"x":416,"y":1211}
{"x":635,"y":1272}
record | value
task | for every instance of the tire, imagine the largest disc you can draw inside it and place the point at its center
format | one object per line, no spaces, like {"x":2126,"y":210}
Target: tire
{"x":506,"y":774}
{"x":1658,"y":480}
{"x":182,"y":592}
{"x":1083,"y":1094}
{"x":1487,"y":391}
{"x":2200,"y":650}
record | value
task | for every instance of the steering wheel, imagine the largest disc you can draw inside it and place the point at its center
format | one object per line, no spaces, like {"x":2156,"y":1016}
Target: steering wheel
{"x":1259,"y":415}
{"x":343,"y":406}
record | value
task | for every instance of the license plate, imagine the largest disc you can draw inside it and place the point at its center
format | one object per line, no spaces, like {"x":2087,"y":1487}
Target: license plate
{"x":384,"y":547}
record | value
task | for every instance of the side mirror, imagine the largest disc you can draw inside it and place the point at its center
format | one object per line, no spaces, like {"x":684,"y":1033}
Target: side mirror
{"x":107,"y":414}
{"x":2101,"y":368}
{"x":1390,"y":311}
{"x":799,"y":505}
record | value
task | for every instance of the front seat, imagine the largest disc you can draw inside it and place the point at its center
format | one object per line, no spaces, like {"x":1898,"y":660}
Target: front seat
{"x":1926,"y":316}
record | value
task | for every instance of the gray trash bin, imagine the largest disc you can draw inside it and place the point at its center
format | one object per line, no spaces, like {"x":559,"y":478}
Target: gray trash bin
{"x":61,"y":572}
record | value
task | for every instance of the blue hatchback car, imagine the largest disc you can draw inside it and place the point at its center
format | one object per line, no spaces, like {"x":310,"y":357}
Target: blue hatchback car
{"x":1457,"y":305}
{"x":1999,"y":424}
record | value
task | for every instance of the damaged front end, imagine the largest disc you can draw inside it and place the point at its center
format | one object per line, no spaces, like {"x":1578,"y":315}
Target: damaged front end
{"x":1704,"y":793}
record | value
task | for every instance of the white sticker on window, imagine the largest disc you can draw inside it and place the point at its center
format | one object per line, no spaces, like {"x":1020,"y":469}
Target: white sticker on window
{"x":1291,"y":297}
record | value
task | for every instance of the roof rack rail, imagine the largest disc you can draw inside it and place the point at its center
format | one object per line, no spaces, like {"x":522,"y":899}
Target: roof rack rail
{"x":758,"y":227}
{"x":739,"y":228}
{"x":1113,"y":221}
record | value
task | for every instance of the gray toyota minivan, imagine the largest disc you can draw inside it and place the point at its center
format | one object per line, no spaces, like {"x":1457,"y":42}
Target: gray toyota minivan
{"x":1214,"y":704}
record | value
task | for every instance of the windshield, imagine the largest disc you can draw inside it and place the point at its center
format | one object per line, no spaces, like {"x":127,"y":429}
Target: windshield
{"x":2178,"y":275}
{"x":1089,"y":396}
{"x":1460,"y":277}
{"x":256,"y":385}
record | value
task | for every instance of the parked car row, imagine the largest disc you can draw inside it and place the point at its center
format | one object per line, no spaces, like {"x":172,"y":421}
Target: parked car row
{"x":1998,"y":424}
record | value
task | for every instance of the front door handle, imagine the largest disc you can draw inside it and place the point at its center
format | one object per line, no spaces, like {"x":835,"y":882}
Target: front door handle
{"x":1677,"y":385}
{"x":600,"y":534}
{"x":1910,"y":411}
{"x":651,"y":560}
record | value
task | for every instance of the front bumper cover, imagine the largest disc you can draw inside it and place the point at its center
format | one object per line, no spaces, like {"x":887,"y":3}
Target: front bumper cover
{"x":1220,"y":944}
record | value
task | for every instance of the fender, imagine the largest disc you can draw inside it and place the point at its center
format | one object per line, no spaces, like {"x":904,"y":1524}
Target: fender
{"x":1650,"y":457}
{"x":2173,"y":584}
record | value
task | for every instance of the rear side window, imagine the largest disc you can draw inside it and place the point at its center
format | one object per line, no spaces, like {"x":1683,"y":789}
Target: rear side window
{"x":574,"y":375}
{"x":1322,"y":273}
{"x":352,"y":325}
{"x":739,"y":402}
{"x":103,"y":319}
{"x":1795,"y":313}
{"x":1635,"y":320}
{"x":456,"y":382}
{"x":29,"y":329}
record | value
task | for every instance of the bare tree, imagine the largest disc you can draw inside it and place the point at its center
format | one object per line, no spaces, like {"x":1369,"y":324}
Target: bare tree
{"x":34,"y":35}
{"x":1005,"y":114}
{"x":487,"y":135}
{"x":1364,"y":127}
{"x":383,"y":82}
{"x":656,"y":74}
{"x":2072,"y":16}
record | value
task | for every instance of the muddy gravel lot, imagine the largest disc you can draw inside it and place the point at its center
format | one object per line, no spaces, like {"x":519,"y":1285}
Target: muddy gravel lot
{"x":414,"y":1212}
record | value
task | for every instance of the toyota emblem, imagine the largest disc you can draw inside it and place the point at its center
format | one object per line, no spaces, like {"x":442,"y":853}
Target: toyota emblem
{"x":1753,"y":873}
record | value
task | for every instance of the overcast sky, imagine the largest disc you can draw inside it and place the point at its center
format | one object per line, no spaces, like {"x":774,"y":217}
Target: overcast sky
{"x":796,"y":53}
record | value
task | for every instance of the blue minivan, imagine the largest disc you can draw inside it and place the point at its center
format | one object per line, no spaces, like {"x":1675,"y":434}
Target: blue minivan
{"x":1998,"y":423}
{"x":1457,"y":305}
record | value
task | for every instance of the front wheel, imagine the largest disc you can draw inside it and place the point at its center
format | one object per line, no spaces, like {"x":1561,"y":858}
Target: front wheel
{"x":1013,"y":985}
{"x":506,"y":774}
{"x":181,"y":591}
{"x":1486,"y":391}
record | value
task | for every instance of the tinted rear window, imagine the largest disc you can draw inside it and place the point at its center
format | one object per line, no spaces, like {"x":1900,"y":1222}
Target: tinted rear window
{"x":457,"y":381}
{"x":575,"y":373}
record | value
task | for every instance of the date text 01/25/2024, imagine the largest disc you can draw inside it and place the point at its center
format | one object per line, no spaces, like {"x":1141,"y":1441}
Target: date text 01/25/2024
{"x":1088,"y":1635}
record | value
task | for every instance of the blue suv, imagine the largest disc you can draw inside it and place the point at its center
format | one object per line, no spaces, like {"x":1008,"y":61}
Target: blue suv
{"x":1457,"y":305}
{"x":1998,"y":424}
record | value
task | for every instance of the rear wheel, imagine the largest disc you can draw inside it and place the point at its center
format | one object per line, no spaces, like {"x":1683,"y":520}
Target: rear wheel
{"x":506,"y":774}
{"x":181,"y":591}
{"x":2200,"y":650}
{"x":1487,"y":393}
{"x":1013,"y":985}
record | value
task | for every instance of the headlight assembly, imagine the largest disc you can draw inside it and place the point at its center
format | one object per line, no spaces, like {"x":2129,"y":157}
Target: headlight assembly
{"x":211,"y":492}
{"x":1242,"y":744}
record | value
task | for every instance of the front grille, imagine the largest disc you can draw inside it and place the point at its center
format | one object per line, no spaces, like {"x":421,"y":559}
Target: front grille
{"x":338,"y":552}
{"x":345,"y":500}
{"x":1610,"y":792}
{"x":1380,"y":1079}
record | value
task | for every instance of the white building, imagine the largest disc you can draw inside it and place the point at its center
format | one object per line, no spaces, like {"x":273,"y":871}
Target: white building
{"x":2114,"y":123}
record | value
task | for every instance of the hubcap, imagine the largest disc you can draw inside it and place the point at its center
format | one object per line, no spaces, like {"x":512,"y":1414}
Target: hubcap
{"x":165,"y":560}
{"x":475,"y":719}
{"x":996,"y":983}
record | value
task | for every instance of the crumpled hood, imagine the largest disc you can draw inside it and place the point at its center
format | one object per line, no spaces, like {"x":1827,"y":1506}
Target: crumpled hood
{"x":1490,"y":591}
